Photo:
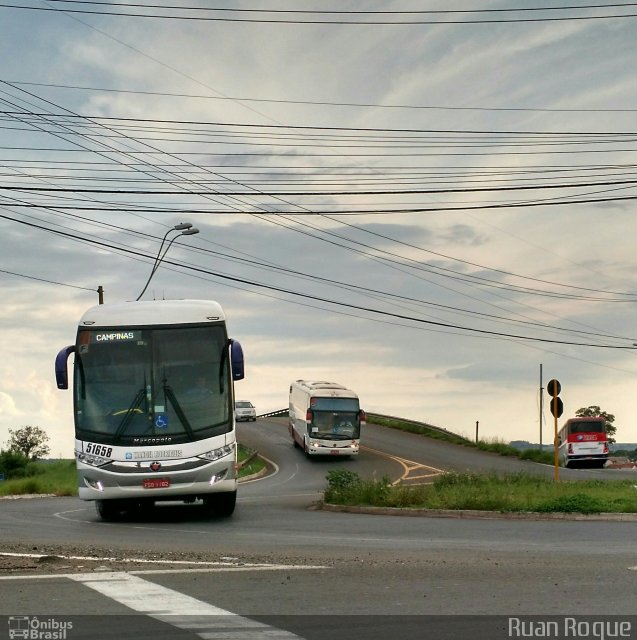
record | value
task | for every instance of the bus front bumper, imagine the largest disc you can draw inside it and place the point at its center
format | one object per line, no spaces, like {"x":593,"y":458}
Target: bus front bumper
{"x":97,"y":484}
{"x":318,"y":449}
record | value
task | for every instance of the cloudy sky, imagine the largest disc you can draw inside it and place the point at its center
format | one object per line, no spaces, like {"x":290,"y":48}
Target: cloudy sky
{"x":428,"y":213}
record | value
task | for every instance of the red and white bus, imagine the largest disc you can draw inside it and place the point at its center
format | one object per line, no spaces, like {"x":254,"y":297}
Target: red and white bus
{"x":583,"y":441}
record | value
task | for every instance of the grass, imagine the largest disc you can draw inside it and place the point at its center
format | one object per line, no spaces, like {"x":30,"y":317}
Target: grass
{"x":56,"y":477}
{"x":59,"y":477}
{"x":494,"y":446}
{"x":417,"y":427}
{"x":518,"y":492}
{"x":249,"y":462}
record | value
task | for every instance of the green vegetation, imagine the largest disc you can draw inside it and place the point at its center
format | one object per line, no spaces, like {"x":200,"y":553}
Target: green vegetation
{"x":504,"y":449}
{"x":631,"y":454}
{"x":29,"y":441}
{"x":51,"y":477}
{"x":509,"y":493}
{"x":14,"y":464}
{"x":249,"y":461}
{"x":417,"y":427}
{"x":494,"y":446}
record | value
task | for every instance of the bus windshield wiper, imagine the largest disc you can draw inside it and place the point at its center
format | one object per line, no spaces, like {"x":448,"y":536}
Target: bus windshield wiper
{"x":129,"y":415}
{"x":169,"y":394}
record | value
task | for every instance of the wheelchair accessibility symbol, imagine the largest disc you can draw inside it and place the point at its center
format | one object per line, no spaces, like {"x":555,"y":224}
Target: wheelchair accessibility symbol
{"x":161,"y":421}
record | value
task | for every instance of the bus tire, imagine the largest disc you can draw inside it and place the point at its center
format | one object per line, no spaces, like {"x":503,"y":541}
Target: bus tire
{"x":222,"y":504}
{"x":108,"y":510}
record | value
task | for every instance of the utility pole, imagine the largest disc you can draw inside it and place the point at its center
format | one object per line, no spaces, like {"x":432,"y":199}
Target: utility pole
{"x":477,"y":423}
{"x":100,"y":294}
{"x":541,"y":406}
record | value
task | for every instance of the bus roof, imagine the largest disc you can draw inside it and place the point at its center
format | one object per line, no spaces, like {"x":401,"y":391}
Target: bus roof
{"x":153,"y":312}
{"x":321,"y":384}
{"x":323,"y":388}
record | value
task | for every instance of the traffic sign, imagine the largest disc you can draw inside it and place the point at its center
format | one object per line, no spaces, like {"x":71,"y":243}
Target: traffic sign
{"x":557,"y":406}
{"x":554,"y":387}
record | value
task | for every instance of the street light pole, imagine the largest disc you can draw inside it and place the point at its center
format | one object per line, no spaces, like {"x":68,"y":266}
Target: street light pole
{"x":186,"y":229}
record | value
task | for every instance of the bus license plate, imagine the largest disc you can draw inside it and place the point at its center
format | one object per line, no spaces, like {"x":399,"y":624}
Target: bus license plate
{"x":156,"y":483}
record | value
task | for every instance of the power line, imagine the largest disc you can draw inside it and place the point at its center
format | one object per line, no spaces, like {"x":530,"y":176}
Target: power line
{"x":71,"y":117}
{"x":340,"y":212}
{"x":326,"y":21}
{"x":352,"y":11}
{"x":315,"y":298}
{"x":320,"y":193}
{"x":316,"y":102}
{"x":62,"y":284}
{"x":259,"y":193}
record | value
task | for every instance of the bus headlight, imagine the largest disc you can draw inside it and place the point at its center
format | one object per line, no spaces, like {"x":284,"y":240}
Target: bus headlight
{"x":221,"y":452}
{"x":219,"y":476}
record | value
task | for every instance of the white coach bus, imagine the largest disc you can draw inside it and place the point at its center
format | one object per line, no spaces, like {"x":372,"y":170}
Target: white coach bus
{"x":153,"y":405}
{"x":325,"y":418}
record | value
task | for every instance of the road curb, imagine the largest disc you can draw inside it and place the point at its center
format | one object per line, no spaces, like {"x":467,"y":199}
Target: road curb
{"x":253,"y":476}
{"x":476,"y":514}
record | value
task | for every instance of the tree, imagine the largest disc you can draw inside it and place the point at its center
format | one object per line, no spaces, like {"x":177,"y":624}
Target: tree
{"x":594,"y":411}
{"x":29,"y":441}
{"x":13,"y":464}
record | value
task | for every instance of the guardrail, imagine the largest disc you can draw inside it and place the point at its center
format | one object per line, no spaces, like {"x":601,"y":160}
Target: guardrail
{"x":274,"y":414}
{"x":371,"y":416}
{"x":417,"y":423}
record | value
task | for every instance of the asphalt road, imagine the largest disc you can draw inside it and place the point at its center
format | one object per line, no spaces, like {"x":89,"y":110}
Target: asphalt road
{"x":279,"y":563}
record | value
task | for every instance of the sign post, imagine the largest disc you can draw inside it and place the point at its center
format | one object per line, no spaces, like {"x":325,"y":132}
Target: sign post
{"x":557,"y":408}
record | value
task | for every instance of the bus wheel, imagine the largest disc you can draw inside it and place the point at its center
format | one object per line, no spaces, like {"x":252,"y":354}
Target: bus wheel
{"x":222,"y":504}
{"x":108,"y":510}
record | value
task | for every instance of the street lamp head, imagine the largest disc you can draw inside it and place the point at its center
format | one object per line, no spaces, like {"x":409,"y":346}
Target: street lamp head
{"x":186,"y":229}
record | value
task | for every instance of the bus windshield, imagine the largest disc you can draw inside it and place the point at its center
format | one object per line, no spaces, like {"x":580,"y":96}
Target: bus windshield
{"x":587,"y":426}
{"x":135,"y":386}
{"x":335,"y":418}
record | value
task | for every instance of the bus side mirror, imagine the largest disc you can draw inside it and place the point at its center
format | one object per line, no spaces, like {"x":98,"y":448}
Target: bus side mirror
{"x":236,"y":359}
{"x":61,"y":372}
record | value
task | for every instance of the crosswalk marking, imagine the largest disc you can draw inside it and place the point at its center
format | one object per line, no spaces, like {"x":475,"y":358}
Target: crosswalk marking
{"x":177,"y":609}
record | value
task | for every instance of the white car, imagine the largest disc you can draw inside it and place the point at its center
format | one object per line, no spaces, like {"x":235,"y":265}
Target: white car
{"x":244,"y":410}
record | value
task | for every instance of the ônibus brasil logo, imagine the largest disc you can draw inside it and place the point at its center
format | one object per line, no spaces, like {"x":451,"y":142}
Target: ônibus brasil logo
{"x":38,"y":628}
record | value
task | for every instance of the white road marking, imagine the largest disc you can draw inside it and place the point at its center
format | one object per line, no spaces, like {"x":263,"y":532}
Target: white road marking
{"x":199,"y":566}
{"x":202,"y":563}
{"x":179,"y":610}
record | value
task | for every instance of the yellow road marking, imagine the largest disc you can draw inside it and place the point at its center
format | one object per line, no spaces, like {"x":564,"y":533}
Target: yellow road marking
{"x":409,"y":466}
